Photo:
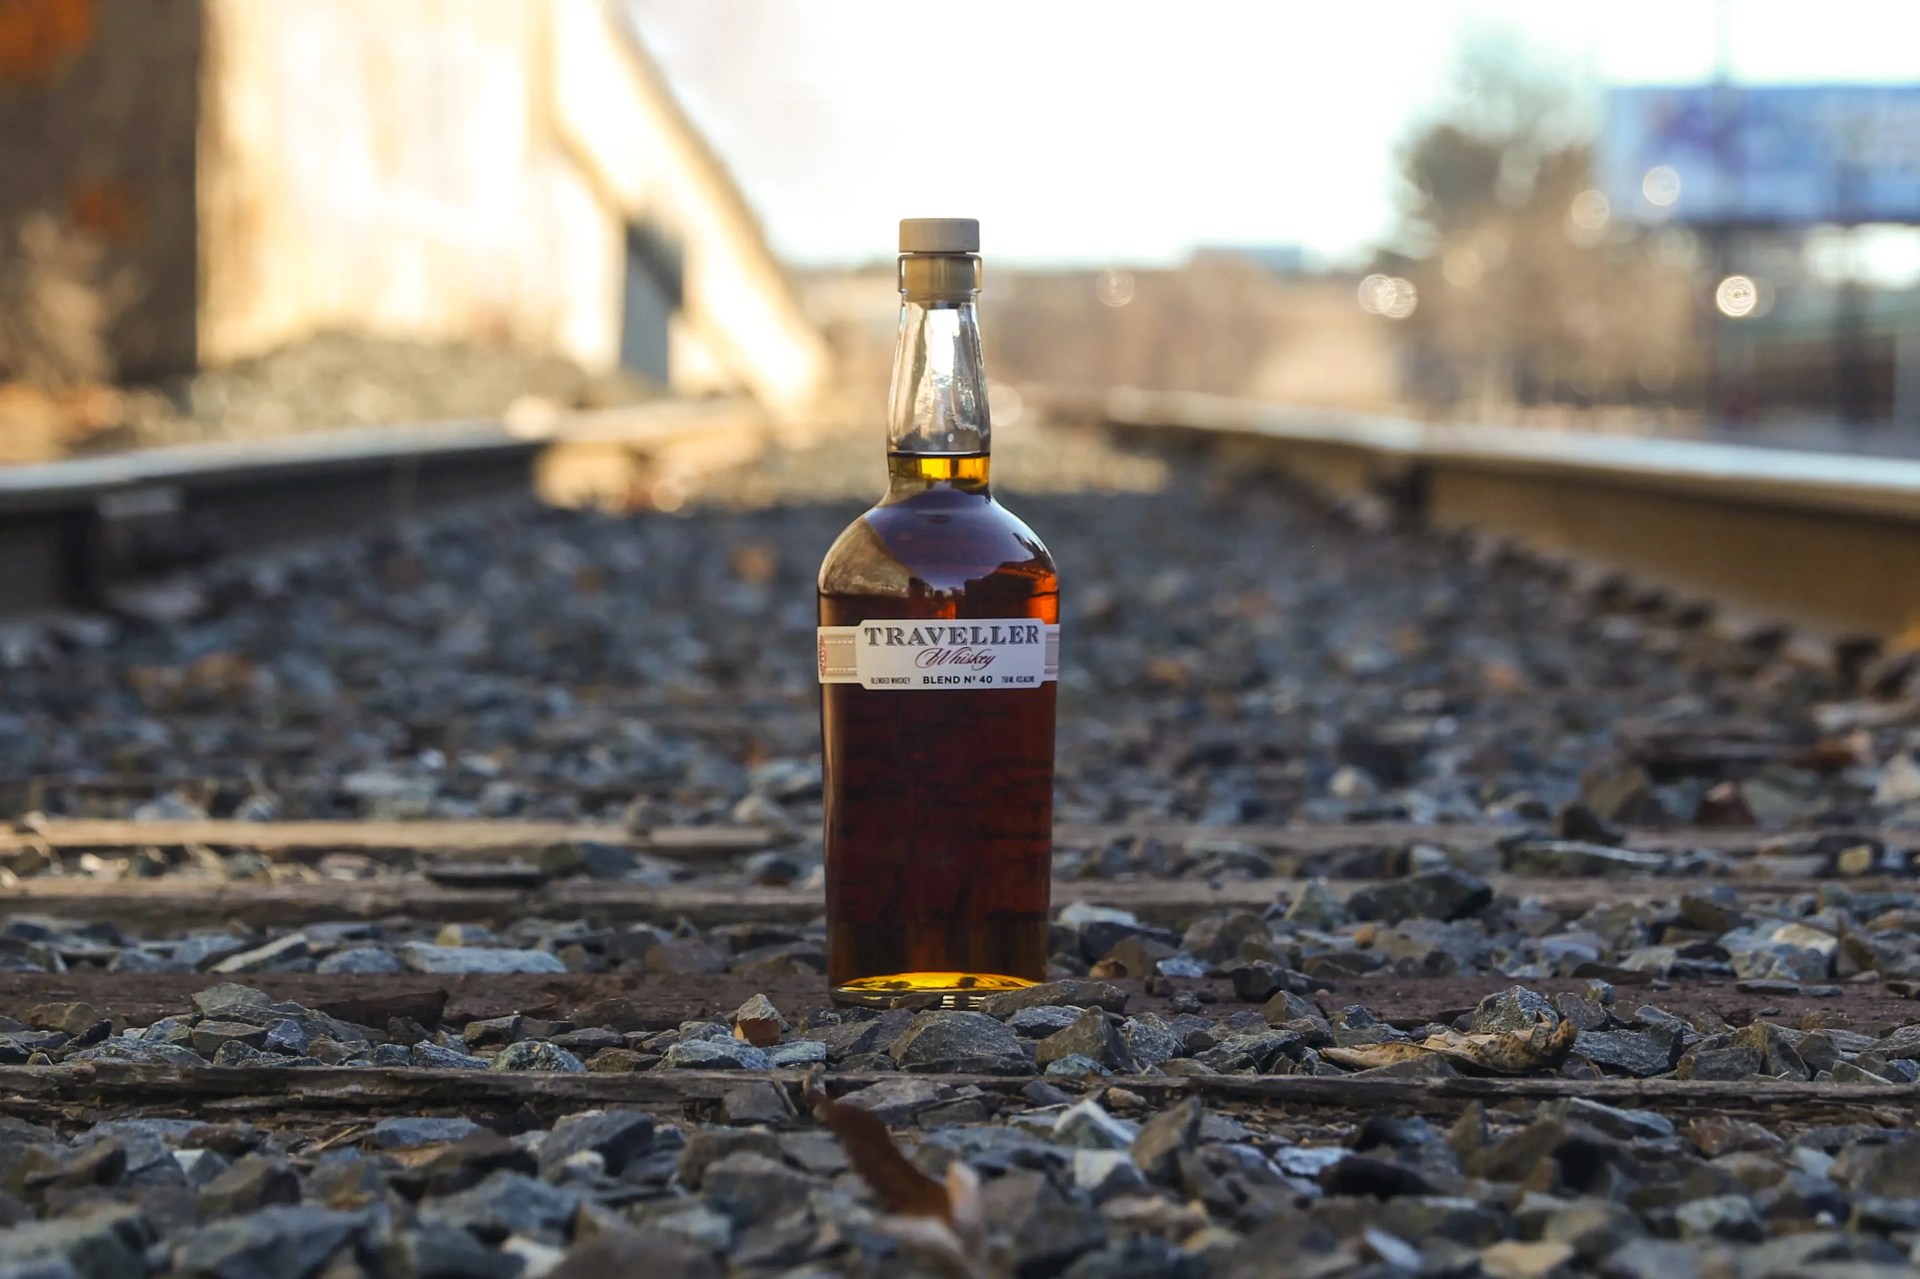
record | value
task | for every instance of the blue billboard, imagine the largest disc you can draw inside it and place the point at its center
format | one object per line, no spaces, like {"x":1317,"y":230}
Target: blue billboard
{"x":1762,"y":155}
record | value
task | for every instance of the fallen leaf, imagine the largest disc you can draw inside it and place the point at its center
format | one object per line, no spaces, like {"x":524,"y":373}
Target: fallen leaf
{"x":901,"y":1188}
{"x":1372,"y":1056}
{"x":1507,"y":1053}
{"x":940,"y":1220}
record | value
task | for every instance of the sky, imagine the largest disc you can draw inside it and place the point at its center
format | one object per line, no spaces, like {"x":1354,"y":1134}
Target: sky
{"x":1131,"y":131}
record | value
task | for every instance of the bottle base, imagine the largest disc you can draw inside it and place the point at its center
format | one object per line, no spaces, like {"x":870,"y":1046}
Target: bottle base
{"x":926,"y":990}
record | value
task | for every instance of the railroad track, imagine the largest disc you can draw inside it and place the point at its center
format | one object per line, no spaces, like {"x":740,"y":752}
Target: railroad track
{"x":1373,"y":832}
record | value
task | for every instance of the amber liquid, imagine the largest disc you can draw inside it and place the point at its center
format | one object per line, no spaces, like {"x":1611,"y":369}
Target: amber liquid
{"x":939,"y":803}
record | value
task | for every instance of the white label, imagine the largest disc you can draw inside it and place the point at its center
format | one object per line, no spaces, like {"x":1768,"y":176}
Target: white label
{"x":999,"y":652}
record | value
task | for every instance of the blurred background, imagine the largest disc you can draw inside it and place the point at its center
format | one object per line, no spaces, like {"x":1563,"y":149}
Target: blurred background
{"x":226,"y":219}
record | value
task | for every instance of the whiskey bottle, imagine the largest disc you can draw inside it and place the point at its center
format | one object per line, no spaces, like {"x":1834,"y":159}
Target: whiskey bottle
{"x":938,"y":647}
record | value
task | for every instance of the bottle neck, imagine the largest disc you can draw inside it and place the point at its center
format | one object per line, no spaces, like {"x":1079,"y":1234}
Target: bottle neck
{"x":938,"y":429}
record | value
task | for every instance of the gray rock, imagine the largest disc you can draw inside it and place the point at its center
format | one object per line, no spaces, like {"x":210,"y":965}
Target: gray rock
{"x":758,"y":1103}
{"x":252,"y":1183}
{"x":963,"y":1042}
{"x":405,"y":1133}
{"x":1105,"y":1174}
{"x":1724,"y":1064}
{"x":262,"y":958}
{"x":108,"y":1244}
{"x":1086,"y":1126}
{"x":361,"y":959}
{"x":1637,"y":1052}
{"x":1149,"y":1041}
{"x":208,"y":1036}
{"x":1075,"y":1066}
{"x":1513,"y":1011}
{"x":1627,"y":1125}
{"x":1720,"y":1217}
{"x":532,"y":1054}
{"x":1441,"y":894}
{"x":443,"y":1252}
{"x":287,"y":1037}
{"x":1090,"y":1035}
{"x":139,"y":1050}
{"x":899,"y":1101}
{"x":716,"y":1054}
{"x":290,"y":1242}
{"x":422,"y":957}
{"x":1038,"y":1023}
{"x":796,"y":1052}
{"x":1571,"y":859}
{"x":617,"y":1136}
{"x":433,"y":1057}
{"x":708,"y":1146}
{"x":1162,"y":1139}
{"x":751,"y":1187}
{"x":1316,"y":907}
{"x":506,"y":1203}
{"x":1073,"y":993}
{"x":229,"y":998}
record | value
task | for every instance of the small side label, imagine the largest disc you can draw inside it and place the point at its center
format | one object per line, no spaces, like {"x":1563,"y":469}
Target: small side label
{"x":1003,"y":652}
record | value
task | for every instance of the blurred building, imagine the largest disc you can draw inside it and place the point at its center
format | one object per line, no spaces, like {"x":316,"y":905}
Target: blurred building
{"x":192,"y":181}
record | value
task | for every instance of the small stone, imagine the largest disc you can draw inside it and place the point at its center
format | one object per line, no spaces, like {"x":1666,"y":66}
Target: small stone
{"x":1730,"y":1217}
{"x":1513,"y":1011}
{"x":208,"y":1036}
{"x":618,"y":1137}
{"x":1087,"y":1126}
{"x":755,"y":1103}
{"x":708,"y":1146}
{"x":442,"y":1252}
{"x":1090,"y":1035}
{"x":960,"y":1042}
{"x":1075,"y":1066}
{"x":897,"y":1102}
{"x":797,"y":1052}
{"x":404,"y":1134}
{"x":1149,"y":1041}
{"x":716,"y":1054}
{"x":531,"y":1054}
{"x":229,"y":998}
{"x":505,"y":1203}
{"x":1040,"y":1022}
{"x":262,"y":958}
{"x":1627,"y":1125}
{"x":1316,"y":907}
{"x":1442,"y":894}
{"x":1513,"y":1259}
{"x":1640,"y":1053}
{"x":361,"y":959}
{"x":758,"y":1022}
{"x":252,"y":1183}
{"x":421,"y":957}
{"x":1162,"y":1139}
{"x":288,"y":1241}
{"x":684,"y":957}
{"x":433,"y":1057}
{"x":1073,"y":993}
{"x":1105,"y":1174}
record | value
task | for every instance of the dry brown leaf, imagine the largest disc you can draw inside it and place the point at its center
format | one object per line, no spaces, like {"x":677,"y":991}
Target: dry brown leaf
{"x":901,"y":1188}
{"x":939,"y":1220}
{"x":1506,"y":1053}
{"x":1371,"y":1056}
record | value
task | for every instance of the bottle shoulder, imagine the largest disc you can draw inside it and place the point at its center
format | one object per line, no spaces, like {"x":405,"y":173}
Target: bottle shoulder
{"x":940,"y":541}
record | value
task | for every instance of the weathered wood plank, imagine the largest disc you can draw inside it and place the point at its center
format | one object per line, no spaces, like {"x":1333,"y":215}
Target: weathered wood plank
{"x":178,"y":901}
{"x":223,"y":1092}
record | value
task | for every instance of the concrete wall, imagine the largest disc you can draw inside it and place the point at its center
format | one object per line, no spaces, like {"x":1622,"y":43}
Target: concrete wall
{"x":447,"y":169}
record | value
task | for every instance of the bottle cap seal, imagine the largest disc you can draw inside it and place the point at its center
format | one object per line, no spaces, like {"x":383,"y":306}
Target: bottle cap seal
{"x":939,"y":235}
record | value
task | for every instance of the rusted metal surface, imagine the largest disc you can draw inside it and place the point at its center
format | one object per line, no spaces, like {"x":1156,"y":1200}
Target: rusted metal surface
{"x":1828,"y":542}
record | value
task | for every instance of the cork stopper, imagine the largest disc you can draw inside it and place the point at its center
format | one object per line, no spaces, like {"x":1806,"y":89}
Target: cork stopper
{"x":939,"y":235}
